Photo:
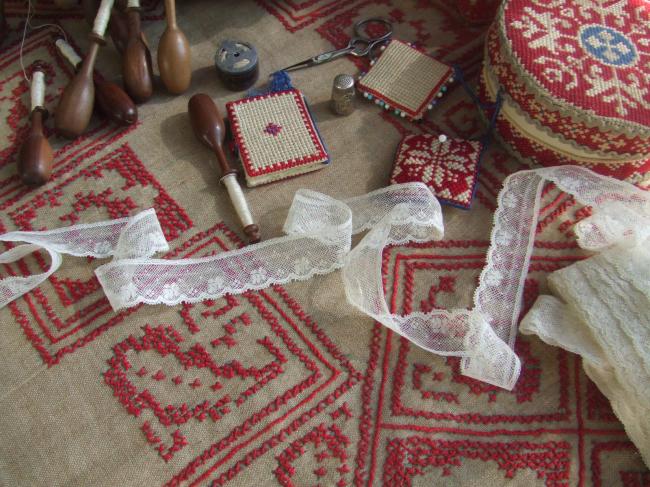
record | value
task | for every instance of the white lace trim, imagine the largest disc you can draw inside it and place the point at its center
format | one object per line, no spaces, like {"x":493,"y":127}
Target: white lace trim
{"x":603,"y":314}
{"x":319,"y":233}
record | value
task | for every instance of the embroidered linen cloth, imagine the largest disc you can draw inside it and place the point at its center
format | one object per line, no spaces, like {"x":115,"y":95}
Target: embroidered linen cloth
{"x":300,"y":387}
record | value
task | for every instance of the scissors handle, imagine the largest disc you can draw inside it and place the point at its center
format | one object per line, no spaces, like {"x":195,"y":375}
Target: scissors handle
{"x":360,"y":45}
{"x":358,"y":30}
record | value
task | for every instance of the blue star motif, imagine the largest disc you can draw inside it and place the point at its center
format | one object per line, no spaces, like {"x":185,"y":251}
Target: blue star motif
{"x":608,"y":45}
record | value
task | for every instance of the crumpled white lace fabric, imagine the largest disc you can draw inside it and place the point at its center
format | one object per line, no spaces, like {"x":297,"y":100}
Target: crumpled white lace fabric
{"x":319,"y":232}
{"x":601,"y":310}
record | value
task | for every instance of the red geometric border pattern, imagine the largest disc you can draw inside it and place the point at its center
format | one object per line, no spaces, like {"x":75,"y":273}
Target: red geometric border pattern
{"x":414,"y":456}
{"x":295,"y":16}
{"x":56,"y":332}
{"x":305,"y":365}
{"x":328,"y":368}
{"x":375,"y":426}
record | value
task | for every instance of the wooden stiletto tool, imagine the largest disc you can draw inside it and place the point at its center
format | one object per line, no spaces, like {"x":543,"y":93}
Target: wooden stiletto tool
{"x":136,"y":65}
{"x":174,"y":58}
{"x":77,"y":100}
{"x":36,"y":156}
{"x":209,"y":128}
{"x":112,"y":101}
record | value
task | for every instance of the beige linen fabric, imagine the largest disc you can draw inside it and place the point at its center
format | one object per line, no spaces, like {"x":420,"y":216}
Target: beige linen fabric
{"x":301,"y":388}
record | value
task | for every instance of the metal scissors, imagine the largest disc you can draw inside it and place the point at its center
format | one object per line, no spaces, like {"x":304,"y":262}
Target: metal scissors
{"x":360,"y":45}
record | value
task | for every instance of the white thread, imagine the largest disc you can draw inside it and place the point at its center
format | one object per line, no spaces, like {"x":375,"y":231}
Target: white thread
{"x":102,"y":18}
{"x":133,"y":4}
{"x":68,"y":52}
{"x":28,"y":24}
{"x":38,"y":90}
{"x":238,"y":199}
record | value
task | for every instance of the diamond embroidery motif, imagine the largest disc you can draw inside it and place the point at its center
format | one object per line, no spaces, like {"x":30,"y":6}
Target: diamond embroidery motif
{"x":449,"y":168}
{"x":273,"y":129}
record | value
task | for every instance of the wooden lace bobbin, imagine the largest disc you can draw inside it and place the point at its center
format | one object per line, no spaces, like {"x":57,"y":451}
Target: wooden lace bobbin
{"x":36,"y":156}
{"x":117,"y":26}
{"x":136,"y":65}
{"x":209,"y":128}
{"x":174,"y":56}
{"x":237,"y":64}
{"x":112,"y":101}
{"x":118,"y":29}
{"x":77,"y":100}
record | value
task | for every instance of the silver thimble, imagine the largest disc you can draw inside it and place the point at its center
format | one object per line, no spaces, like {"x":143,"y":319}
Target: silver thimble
{"x":343,"y":94}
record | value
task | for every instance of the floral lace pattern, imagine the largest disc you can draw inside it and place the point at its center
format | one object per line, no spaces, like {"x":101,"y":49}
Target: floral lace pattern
{"x":318,"y":240}
{"x":121,"y":238}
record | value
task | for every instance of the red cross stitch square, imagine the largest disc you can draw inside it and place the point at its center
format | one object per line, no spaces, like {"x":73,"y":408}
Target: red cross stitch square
{"x":449,"y":167}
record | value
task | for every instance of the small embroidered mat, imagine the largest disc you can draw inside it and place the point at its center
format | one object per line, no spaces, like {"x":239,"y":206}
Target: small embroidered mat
{"x":406,"y":80}
{"x":276,"y":137}
{"x":448,"y":166}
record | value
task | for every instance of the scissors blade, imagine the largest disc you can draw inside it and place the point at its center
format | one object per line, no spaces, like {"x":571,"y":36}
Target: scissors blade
{"x":302,"y":64}
{"x":320,"y":59}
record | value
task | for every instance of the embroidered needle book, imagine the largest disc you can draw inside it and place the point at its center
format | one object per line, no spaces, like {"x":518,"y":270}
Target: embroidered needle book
{"x":406,"y":80}
{"x":448,"y":166}
{"x":276,"y":136}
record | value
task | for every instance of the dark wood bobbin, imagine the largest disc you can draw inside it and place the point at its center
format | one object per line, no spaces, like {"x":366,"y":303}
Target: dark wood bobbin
{"x":237,"y":64}
{"x":36,"y":157}
{"x":4,"y":28}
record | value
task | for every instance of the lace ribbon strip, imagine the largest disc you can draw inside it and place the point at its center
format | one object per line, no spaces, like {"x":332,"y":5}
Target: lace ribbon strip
{"x":318,"y":239}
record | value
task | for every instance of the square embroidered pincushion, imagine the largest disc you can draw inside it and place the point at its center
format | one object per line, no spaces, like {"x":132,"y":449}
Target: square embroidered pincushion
{"x":405,"y":80}
{"x":448,"y":166}
{"x":276,"y":137}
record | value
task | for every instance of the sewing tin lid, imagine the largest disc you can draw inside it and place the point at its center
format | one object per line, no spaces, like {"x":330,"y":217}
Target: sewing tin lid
{"x":589,"y":55}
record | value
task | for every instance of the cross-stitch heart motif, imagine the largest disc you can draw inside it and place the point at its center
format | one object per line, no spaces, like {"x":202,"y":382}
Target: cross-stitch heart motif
{"x":193,"y":366}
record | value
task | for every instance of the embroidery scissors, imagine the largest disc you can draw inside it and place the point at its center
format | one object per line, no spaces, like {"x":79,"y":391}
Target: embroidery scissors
{"x":360,"y":45}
